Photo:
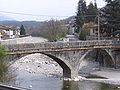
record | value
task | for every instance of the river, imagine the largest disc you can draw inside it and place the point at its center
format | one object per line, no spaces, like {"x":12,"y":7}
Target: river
{"x":38,"y":72}
{"x":36,"y":81}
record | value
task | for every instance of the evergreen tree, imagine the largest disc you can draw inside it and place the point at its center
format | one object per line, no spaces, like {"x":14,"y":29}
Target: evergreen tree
{"x":2,"y":52}
{"x":95,"y":4}
{"x":22,"y":30}
{"x":111,"y":15}
{"x":80,"y":19}
{"x":3,"y":65}
{"x":91,"y":13}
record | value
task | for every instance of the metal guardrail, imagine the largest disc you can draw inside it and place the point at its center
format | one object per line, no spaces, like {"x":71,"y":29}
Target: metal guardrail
{"x":9,"y":87}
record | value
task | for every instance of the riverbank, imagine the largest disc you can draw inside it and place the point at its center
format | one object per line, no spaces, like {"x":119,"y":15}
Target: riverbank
{"x":112,"y":76}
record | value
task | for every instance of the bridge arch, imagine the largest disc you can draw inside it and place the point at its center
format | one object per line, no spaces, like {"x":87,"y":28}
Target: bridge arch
{"x":63,"y":64}
{"x":108,"y":59}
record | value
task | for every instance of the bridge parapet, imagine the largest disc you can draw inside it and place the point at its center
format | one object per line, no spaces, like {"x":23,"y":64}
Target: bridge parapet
{"x":59,"y":45}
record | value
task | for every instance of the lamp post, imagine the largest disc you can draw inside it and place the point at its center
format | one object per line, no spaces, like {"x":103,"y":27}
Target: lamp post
{"x":98,"y":27}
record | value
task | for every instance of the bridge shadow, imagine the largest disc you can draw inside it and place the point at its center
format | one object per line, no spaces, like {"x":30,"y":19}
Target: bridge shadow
{"x":87,"y":85}
{"x":70,"y":85}
{"x":102,"y":56}
{"x":94,"y":60}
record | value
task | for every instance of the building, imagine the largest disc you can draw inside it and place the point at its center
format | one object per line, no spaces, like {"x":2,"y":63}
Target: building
{"x":94,"y":30}
{"x":70,"y":27}
{"x":7,"y":32}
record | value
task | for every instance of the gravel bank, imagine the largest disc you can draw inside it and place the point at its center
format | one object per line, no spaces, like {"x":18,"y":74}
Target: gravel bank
{"x":38,"y":63}
{"x":35,"y":63}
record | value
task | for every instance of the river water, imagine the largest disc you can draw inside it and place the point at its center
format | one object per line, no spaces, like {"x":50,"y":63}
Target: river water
{"x":36,"y":81}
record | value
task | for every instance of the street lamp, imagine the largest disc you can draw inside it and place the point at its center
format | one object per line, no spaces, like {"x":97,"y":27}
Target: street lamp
{"x":98,"y":27}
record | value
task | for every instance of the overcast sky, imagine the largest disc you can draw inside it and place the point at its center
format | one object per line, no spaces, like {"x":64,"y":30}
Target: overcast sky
{"x":49,"y":8}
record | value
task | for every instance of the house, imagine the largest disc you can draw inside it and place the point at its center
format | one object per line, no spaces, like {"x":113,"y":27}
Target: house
{"x":7,"y":32}
{"x":88,"y":31}
{"x":94,"y":30}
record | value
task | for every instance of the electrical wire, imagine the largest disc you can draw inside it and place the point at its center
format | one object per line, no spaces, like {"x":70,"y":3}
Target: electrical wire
{"x":52,"y":15}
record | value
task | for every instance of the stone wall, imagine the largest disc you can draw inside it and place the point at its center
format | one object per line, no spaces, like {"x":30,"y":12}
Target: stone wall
{"x":59,"y":45}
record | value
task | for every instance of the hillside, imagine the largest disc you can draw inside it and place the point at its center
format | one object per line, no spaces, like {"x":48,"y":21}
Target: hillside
{"x":25,"y":23}
{"x":28,"y":24}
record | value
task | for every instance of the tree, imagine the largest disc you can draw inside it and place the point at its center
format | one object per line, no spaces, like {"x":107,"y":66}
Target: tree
{"x":38,"y":31}
{"x":52,"y":30}
{"x":111,"y":15}
{"x":3,"y":65}
{"x":92,"y":12}
{"x":2,"y":52}
{"x":81,"y":12}
{"x":22,"y":30}
{"x":85,"y":14}
{"x":55,"y":30}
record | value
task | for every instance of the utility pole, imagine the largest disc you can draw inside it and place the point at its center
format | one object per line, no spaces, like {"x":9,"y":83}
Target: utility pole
{"x":98,"y":27}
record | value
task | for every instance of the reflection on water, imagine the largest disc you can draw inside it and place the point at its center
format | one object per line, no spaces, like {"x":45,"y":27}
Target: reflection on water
{"x":38,"y":82}
{"x":108,"y":87}
{"x":87,"y":85}
{"x":70,"y":85}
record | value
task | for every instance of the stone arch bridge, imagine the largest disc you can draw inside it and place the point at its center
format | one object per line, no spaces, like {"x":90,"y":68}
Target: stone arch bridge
{"x":68,"y":54}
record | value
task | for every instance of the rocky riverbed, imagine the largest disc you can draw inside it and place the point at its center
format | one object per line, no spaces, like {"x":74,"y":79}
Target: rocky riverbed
{"x":38,"y":63}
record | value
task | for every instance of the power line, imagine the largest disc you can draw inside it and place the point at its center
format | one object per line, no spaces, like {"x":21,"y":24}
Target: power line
{"x":32,"y":14}
{"x":43,"y":15}
{"x":52,"y":15}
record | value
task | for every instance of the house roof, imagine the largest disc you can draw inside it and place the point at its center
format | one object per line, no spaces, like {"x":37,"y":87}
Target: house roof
{"x":5,"y":27}
{"x":94,"y":26}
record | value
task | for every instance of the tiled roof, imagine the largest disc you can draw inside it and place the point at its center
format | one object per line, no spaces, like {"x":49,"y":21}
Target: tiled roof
{"x":6,"y":27}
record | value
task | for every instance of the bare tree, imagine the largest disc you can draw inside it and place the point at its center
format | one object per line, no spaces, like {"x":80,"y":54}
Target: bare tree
{"x":53,"y":30}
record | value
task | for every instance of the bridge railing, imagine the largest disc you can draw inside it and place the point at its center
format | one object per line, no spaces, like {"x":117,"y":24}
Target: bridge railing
{"x":59,"y":45}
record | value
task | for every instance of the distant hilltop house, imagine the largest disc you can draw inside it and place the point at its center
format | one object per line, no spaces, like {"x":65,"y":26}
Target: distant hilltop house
{"x":8,"y":32}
